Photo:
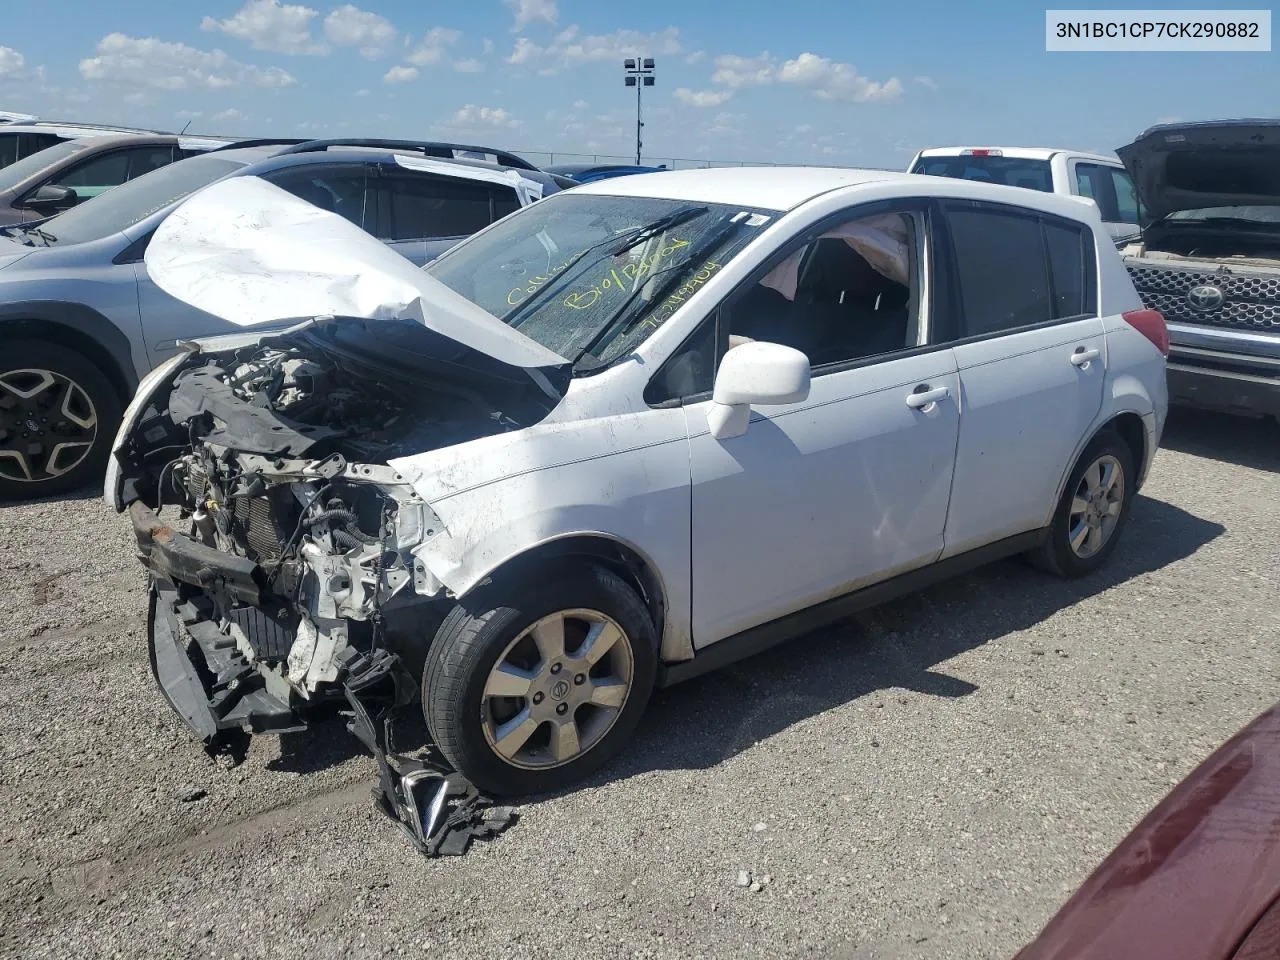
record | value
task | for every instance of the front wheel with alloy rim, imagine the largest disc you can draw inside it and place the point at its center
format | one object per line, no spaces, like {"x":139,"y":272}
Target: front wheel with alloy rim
{"x":1093,"y":509}
{"x":530,"y":686}
{"x":58,"y":417}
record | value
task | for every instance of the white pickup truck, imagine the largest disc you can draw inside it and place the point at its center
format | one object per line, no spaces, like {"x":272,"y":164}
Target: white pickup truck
{"x":1101,"y":178}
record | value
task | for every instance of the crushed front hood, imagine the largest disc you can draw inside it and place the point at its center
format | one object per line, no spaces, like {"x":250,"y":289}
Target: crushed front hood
{"x":251,"y":253}
{"x":1193,"y":166}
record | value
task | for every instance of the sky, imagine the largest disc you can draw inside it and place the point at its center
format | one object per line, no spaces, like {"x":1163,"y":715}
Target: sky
{"x":805,"y":81}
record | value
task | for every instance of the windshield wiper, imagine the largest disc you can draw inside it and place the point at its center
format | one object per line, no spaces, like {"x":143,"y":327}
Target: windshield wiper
{"x":34,"y":230}
{"x":630,"y":239}
{"x":695,"y":256}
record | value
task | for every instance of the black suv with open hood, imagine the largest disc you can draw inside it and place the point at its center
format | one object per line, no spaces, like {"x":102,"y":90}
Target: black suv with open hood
{"x":1209,"y":257}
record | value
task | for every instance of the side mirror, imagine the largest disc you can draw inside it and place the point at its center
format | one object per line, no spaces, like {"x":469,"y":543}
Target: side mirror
{"x":50,"y":197}
{"x":755,"y":374}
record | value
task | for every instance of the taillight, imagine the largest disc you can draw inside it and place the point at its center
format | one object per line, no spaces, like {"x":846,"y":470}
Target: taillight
{"x":1151,"y":325}
{"x":981,"y":152}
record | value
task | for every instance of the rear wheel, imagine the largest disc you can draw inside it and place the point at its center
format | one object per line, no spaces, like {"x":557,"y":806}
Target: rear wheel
{"x":1093,"y":509}
{"x":530,"y":687}
{"x":58,"y":418}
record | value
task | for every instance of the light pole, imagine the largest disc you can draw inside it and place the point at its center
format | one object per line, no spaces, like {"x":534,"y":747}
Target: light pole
{"x":638,"y":73}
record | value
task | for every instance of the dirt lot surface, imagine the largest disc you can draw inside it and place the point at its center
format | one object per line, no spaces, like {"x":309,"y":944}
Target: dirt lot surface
{"x":930,"y":780}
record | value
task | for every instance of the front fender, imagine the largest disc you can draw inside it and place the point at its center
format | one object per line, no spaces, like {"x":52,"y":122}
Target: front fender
{"x":637,"y":498}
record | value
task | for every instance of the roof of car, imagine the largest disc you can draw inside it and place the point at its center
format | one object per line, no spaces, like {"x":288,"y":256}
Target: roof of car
{"x":71,"y":131}
{"x":774,"y":188}
{"x":465,"y":168}
{"x":1019,"y":153}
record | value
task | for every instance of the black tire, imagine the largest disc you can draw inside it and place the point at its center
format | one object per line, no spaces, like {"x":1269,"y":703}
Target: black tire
{"x":44,"y":420}
{"x":477,"y":632}
{"x":1056,"y":555}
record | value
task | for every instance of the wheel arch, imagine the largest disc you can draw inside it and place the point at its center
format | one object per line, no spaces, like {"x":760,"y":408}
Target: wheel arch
{"x":78,"y":328}
{"x":622,"y":558}
{"x":1132,"y":430}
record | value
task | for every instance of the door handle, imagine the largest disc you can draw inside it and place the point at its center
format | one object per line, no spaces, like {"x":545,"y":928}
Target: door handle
{"x":926,"y":396}
{"x":1083,"y":355}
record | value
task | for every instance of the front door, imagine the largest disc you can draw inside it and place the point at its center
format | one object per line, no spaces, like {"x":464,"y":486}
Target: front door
{"x":851,"y":485}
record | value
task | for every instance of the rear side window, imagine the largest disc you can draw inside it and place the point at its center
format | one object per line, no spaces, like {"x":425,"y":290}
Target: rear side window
{"x":107,"y":170}
{"x":1008,"y":171}
{"x":1016,"y":269}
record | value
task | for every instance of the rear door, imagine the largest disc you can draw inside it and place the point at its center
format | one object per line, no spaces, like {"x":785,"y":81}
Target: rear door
{"x":1028,"y":343}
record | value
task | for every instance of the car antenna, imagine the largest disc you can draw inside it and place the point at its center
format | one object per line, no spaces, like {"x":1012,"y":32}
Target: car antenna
{"x":184,"y":128}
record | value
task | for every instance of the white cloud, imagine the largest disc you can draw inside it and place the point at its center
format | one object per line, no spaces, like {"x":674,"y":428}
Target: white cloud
{"x":371,"y":33}
{"x":580,"y":104}
{"x":400,"y":75}
{"x":270,"y":25}
{"x":736,"y":72}
{"x":11,"y":62}
{"x":828,"y":79}
{"x":148,"y":62}
{"x":431,"y":49}
{"x":702,"y":98}
{"x":488,"y":46}
{"x":362,"y":92}
{"x":1167,"y":120}
{"x":476,"y":116}
{"x":696,"y":57}
{"x":831,"y":80}
{"x":927,"y":82}
{"x":571,"y":47}
{"x":529,"y":11}
{"x":188,"y":114}
{"x":225,"y":116}
{"x":469,"y":65}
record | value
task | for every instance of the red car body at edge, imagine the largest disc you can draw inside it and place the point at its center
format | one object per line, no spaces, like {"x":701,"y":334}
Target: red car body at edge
{"x":1198,"y":878}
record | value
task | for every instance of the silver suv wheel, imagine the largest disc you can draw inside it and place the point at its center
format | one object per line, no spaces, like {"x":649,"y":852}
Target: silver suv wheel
{"x":48,"y":425}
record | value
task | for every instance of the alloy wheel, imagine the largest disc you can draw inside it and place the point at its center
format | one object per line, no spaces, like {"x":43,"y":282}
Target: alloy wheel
{"x":557,"y":689}
{"x":1096,"y":506}
{"x":48,"y":425}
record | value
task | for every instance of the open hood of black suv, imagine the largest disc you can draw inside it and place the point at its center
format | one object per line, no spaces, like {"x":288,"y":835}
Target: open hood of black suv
{"x":1218,"y":163}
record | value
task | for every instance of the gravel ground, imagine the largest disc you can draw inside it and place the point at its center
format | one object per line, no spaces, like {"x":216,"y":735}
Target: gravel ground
{"x":930,"y":780}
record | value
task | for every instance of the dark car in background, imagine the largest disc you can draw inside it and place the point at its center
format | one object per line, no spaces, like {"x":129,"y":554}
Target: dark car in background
{"x":58,"y":177}
{"x":1198,"y":878}
{"x":18,"y":139}
{"x":587,"y":172}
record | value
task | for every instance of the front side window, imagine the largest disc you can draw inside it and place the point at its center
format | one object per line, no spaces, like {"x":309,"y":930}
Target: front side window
{"x":849,"y":293}
{"x":591,"y":277}
{"x":338,"y":189}
{"x":1126,"y":197}
{"x":107,"y":170}
{"x":136,"y":200}
{"x":1016,"y":269}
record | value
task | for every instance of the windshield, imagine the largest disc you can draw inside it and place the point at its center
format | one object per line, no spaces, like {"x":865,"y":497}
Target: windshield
{"x":1258,"y":214}
{"x":1009,"y":171}
{"x":131,"y":202}
{"x":558,"y":271}
{"x":15,"y":173}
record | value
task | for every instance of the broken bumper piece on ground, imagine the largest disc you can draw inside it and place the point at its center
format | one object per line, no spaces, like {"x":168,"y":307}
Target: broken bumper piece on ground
{"x":214,"y":689}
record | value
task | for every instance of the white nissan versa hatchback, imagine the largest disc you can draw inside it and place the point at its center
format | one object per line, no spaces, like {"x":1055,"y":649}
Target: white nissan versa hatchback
{"x":633,"y":432}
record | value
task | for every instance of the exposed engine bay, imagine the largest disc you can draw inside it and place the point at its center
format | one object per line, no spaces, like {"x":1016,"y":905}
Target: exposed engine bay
{"x":278,"y":538}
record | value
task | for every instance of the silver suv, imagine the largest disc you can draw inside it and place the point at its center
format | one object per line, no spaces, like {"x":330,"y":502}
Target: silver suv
{"x":82,"y":322}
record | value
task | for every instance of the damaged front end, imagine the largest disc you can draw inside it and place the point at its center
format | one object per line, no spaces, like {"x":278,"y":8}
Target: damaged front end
{"x":280,"y":543}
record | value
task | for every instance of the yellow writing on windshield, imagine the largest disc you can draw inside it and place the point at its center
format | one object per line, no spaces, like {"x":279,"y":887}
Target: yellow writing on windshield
{"x":682,"y":293}
{"x":620,"y":278}
{"x":518,"y":295}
